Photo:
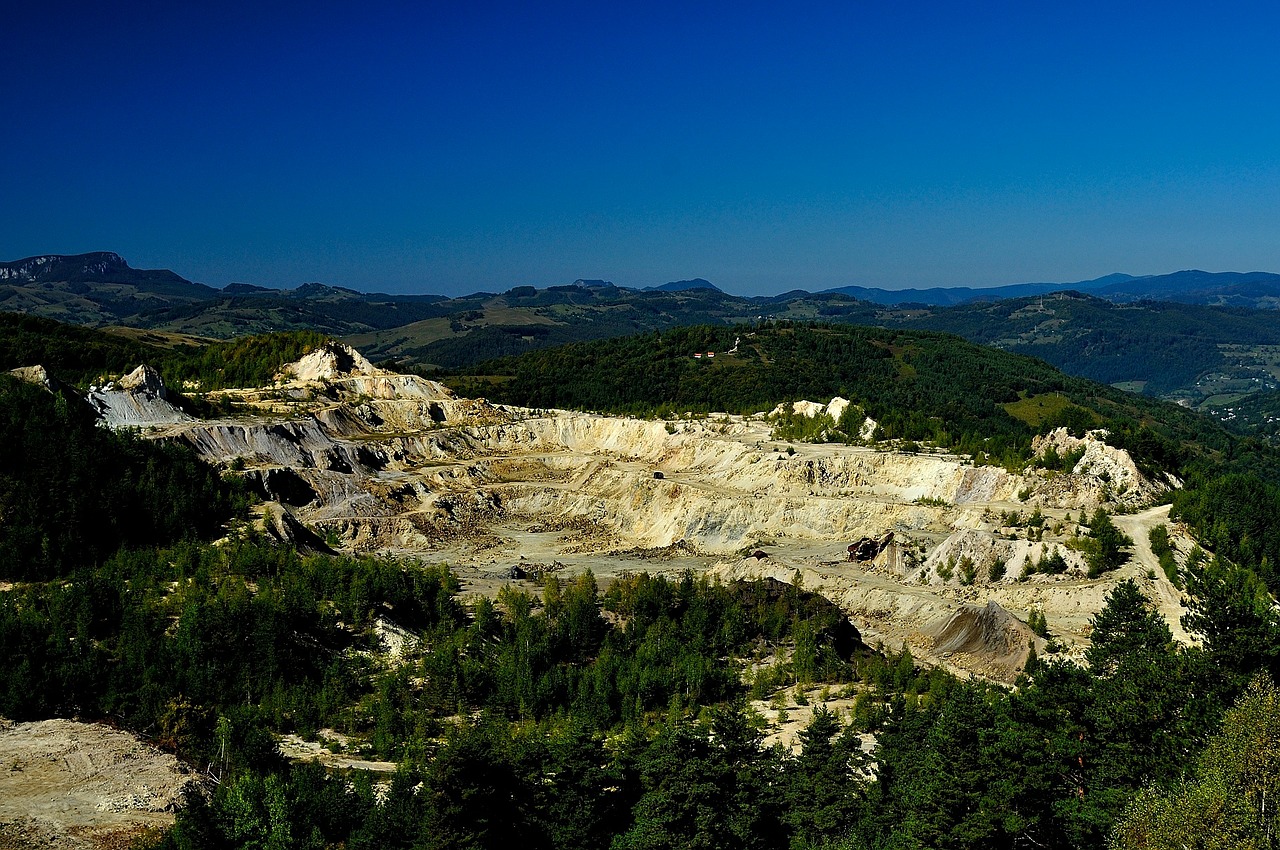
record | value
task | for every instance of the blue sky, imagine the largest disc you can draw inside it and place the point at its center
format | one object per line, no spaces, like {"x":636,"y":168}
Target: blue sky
{"x":430,"y":147}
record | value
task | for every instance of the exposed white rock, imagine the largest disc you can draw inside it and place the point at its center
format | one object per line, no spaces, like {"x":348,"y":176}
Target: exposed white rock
{"x":803,"y":407}
{"x":333,"y":360}
{"x":1103,"y":471}
{"x":396,"y":462}
{"x":138,"y":401}
{"x":835,"y":409}
{"x":348,"y":373}
{"x":983,"y":548}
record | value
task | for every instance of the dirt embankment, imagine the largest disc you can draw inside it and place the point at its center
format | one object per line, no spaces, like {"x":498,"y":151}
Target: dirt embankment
{"x":83,"y":785}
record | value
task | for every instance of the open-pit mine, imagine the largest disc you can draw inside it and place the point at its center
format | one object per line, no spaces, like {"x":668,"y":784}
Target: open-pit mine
{"x":923,"y":550}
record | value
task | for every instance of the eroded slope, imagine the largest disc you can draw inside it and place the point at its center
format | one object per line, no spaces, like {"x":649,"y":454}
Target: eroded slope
{"x":375,"y":461}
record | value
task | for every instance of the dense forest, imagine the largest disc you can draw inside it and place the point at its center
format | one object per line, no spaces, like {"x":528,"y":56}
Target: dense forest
{"x":1164,"y":344}
{"x":574,"y":716}
{"x":916,"y":385}
{"x":582,"y":719}
{"x":71,"y":493}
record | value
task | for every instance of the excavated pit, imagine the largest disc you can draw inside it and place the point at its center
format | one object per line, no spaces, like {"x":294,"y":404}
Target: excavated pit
{"x":397,"y":464}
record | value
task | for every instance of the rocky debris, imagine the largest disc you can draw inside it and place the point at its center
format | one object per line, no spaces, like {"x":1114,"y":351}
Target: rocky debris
{"x":83,"y":785}
{"x":895,"y":560}
{"x":983,"y":548}
{"x":993,"y":640}
{"x":295,"y":748}
{"x":678,"y":550}
{"x":138,"y":400}
{"x":868,"y":548}
{"x":396,"y":639}
{"x":298,"y":443}
{"x":968,"y":630}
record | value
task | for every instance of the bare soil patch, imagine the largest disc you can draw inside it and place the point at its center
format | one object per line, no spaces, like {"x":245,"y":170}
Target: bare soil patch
{"x":83,"y":785}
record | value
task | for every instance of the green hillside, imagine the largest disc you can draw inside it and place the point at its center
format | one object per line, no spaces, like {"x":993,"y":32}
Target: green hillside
{"x":79,"y":356}
{"x":1223,"y":360}
{"x":917,"y":385}
{"x":1164,"y":347}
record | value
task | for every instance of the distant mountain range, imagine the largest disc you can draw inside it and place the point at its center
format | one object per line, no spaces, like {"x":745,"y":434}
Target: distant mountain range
{"x":1201,"y":337}
{"x":1225,"y":289}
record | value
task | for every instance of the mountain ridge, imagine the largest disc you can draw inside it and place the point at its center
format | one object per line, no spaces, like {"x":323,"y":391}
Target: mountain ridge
{"x":1186,"y":286}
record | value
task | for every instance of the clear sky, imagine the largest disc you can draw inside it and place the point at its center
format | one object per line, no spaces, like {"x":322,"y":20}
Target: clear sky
{"x":453,"y":147}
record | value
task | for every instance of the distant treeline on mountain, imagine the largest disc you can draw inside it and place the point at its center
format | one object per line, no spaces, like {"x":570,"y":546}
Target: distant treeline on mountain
{"x":1199,"y":337}
{"x":1166,"y":345}
{"x":101,"y":288}
{"x":1223,"y":289}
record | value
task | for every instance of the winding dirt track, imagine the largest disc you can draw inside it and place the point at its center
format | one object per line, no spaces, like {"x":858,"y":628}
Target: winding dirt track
{"x":1167,"y":598}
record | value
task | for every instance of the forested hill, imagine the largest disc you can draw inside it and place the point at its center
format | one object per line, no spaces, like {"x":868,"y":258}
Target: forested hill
{"x":79,"y":355}
{"x":917,"y":385}
{"x":1162,"y":346}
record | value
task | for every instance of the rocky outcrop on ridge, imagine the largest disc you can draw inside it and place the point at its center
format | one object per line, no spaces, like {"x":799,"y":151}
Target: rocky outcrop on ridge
{"x":137,"y":400}
{"x":1102,"y":472}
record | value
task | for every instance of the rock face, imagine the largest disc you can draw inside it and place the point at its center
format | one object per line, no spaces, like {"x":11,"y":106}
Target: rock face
{"x":334,"y":360}
{"x":392,"y":445}
{"x":281,"y":485}
{"x":285,"y":528}
{"x":139,"y":400}
{"x":387,"y":462}
{"x":1102,"y":470}
{"x":37,"y":375}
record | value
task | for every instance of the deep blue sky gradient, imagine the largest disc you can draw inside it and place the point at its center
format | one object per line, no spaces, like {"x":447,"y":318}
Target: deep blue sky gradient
{"x":455,"y":147}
